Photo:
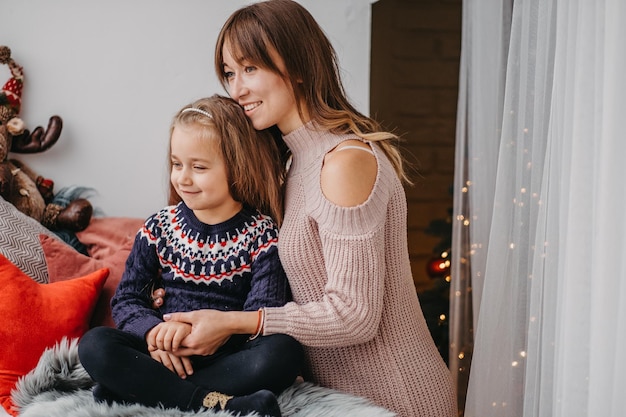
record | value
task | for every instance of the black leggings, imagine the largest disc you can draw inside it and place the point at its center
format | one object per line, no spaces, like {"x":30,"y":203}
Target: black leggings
{"x":121,"y":364}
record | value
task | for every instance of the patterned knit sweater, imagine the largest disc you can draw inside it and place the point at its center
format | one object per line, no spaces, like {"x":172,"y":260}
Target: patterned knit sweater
{"x":233,"y":265}
{"x":355,"y":306}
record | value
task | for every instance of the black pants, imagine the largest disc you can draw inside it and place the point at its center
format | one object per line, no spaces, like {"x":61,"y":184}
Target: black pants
{"x":121,"y":364}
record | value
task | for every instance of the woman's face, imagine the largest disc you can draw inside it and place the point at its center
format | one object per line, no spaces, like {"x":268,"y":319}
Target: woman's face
{"x":265,"y":96}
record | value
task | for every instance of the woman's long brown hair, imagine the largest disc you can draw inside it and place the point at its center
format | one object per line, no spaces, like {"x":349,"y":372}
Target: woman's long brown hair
{"x":311,"y":67}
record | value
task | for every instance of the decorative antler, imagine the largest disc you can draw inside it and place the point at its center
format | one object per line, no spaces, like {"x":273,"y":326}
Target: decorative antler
{"x":39,"y":140}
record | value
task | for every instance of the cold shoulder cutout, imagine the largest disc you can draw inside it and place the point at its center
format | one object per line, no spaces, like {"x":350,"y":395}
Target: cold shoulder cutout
{"x":348,"y":176}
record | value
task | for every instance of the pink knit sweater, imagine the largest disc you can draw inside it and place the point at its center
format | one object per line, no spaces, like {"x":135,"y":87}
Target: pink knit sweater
{"x":355,"y":307}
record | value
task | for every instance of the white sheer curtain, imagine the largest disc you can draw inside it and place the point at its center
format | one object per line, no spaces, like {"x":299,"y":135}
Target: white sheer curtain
{"x":538,"y":246}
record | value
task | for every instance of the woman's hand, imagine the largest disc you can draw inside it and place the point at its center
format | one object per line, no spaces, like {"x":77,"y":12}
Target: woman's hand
{"x":180,"y":365}
{"x":167,"y":336}
{"x":157,"y":297}
{"x":209,"y":331}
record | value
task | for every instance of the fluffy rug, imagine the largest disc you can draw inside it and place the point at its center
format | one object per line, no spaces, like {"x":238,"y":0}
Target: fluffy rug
{"x":60,"y":387}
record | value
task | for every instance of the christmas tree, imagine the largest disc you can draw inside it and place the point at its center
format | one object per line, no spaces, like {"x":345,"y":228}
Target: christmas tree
{"x":436,"y":301}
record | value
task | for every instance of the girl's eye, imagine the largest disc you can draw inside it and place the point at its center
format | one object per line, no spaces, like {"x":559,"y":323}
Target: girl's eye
{"x":176,"y":164}
{"x":199,"y":167}
{"x":228,"y":75}
{"x":249,"y":69}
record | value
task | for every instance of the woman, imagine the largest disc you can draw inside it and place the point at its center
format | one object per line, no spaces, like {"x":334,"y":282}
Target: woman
{"x":343,"y":240}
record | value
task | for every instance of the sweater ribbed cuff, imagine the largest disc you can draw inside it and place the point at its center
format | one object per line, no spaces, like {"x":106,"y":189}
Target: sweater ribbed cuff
{"x":276,"y":320}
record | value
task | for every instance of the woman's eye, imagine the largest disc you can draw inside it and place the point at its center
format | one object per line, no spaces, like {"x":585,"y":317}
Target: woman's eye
{"x":249,"y":69}
{"x":228,"y":75}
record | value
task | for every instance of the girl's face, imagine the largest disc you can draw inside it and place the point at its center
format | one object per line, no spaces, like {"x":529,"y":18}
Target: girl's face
{"x":199,"y":176}
{"x":265,"y":96}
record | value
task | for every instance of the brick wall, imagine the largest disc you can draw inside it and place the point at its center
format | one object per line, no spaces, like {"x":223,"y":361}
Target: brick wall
{"x":414,"y":80}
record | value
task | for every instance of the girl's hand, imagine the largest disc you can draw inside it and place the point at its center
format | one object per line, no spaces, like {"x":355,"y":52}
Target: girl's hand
{"x":209,"y":331}
{"x":180,"y":365}
{"x":167,"y":336}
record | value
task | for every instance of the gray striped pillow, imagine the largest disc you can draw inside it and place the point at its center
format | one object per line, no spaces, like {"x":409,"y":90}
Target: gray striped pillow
{"x":19,"y":241}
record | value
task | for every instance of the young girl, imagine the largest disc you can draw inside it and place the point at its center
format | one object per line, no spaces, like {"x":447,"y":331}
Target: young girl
{"x":212,"y":249}
{"x":343,"y":241}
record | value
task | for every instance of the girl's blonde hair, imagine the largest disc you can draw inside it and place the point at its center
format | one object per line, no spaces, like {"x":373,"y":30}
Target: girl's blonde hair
{"x":254,"y":169}
{"x":311,"y":67}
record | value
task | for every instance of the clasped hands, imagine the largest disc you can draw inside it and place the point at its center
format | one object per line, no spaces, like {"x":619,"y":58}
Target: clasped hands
{"x":164,"y":340}
{"x":182,"y":335}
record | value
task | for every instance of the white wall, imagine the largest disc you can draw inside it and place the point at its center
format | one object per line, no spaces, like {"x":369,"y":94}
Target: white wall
{"x":117,"y":70}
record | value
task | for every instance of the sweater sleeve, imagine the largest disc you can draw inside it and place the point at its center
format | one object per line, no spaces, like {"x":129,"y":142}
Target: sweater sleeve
{"x":352,"y":268}
{"x":268,"y":286}
{"x":131,"y":305}
{"x":350,"y":310}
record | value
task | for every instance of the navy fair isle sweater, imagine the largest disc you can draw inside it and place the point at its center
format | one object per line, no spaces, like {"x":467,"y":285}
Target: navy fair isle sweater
{"x":233,"y":265}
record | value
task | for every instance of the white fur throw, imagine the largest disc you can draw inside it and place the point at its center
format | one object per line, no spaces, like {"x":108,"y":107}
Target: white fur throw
{"x":60,"y":387}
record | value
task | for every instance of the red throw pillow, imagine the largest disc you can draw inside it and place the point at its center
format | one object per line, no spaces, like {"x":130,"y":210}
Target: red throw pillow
{"x":106,"y":235}
{"x":36,"y":316}
{"x":64,"y":263}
